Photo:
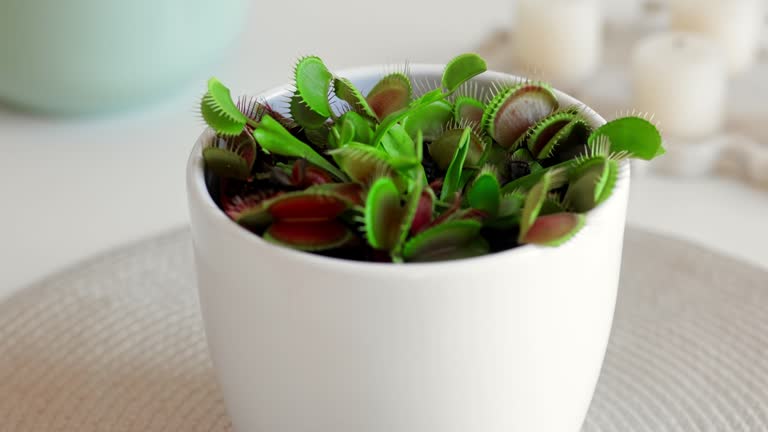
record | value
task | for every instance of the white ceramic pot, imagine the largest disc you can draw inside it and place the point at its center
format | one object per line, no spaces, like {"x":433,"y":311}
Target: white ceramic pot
{"x":509,"y":342}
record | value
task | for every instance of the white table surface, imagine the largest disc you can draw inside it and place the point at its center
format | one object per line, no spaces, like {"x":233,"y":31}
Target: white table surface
{"x":72,"y":188}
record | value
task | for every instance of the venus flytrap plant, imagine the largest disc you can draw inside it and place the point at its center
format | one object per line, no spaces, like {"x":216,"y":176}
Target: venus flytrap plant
{"x":220,"y":112}
{"x":514,"y":110}
{"x":231,"y":156}
{"x":313,"y":81}
{"x":485,"y":192}
{"x":453,"y":174}
{"x":346,"y":91}
{"x":412,"y":172}
{"x":467,"y":108}
{"x":390,"y":95}
{"x":431,"y":120}
{"x":444,"y":146}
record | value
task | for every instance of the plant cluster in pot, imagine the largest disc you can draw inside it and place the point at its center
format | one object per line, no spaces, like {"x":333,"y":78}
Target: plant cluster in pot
{"x":437,"y":249}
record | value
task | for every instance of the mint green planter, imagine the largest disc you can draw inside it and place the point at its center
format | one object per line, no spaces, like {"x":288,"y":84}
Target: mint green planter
{"x":84,"y":56}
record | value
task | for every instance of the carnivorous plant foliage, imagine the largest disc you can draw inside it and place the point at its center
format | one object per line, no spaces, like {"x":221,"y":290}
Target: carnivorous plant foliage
{"x":404,"y":173}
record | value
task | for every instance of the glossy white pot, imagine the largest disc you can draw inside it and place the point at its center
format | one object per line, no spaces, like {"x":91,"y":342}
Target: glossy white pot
{"x":510,"y":342}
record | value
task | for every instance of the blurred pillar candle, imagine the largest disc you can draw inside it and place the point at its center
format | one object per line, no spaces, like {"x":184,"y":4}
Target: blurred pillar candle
{"x":735,"y":25}
{"x":621,"y":13}
{"x":91,"y":56}
{"x":561,"y":39}
{"x":681,"y":78}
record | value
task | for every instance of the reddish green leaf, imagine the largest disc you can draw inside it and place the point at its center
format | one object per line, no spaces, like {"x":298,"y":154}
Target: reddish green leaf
{"x":305,"y":174}
{"x":383,"y":215}
{"x":309,"y":236}
{"x":306,"y":206}
{"x":592,"y":183}
{"x":424,"y":212}
{"x":535,"y":200}
{"x":250,"y":211}
{"x":555,"y":229}
{"x":513,"y":111}
{"x":444,"y":148}
{"x":468,"y":109}
{"x":391,"y":94}
{"x":541,"y":141}
{"x":453,"y":239}
{"x":350,"y":192}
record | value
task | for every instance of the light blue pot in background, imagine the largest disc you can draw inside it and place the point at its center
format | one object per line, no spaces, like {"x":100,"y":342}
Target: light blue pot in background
{"x":89,"y":56}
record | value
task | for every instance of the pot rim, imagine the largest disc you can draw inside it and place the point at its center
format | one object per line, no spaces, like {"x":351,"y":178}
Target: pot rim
{"x":198,"y":190}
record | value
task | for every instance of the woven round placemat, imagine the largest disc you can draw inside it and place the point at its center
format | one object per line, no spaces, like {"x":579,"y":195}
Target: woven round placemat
{"x":116,"y":344}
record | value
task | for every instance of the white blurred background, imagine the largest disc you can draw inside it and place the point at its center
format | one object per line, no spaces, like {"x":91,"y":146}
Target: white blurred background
{"x":75,"y":185}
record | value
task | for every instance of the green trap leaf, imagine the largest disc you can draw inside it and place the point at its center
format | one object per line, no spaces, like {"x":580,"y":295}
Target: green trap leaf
{"x":535,"y":199}
{"x":347,"y":92}
{"x":363,"y":129}
{"x":304,"y":175}
{"x":423,"y":217}
{"x":308,"y":205}
{"x":431,"y":120}
{"x":362,"y":162}
{"x":305,"y":116}
{"x":274,"y":138}
{"x":485,"y":193}
{"x":383,"y":215}
{"x":350,"y":192}
{"x":452,"y":181}
{"x":634,"y":135}
{"x":226,"y":163}
{"x":390,"y":95}
{"x":512,"y":112}
{"x":310,"y":236}
{"x":313,"y":82}
{"x":454,"y":239}
{"x":219,"y":110}
{"x":592,"y":184}
{"x":461,"y":69}
{"x":443,"y":149}
{"x":468,"y":109}
{"x":398,"y":143}
{"x":554,"y":230}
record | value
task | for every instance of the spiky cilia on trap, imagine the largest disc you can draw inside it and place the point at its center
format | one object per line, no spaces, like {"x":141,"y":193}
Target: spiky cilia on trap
{"x":414,"y":171}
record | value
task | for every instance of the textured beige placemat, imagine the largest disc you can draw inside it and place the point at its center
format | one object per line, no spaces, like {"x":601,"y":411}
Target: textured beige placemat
{"x":116,"y":345}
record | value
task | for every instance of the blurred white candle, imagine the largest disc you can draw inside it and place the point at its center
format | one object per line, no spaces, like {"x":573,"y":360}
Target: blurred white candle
{"x":735,"y":25}
{"x":622,"y":13}
{"x":681,"y":78}
{"x":560,"y":39}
